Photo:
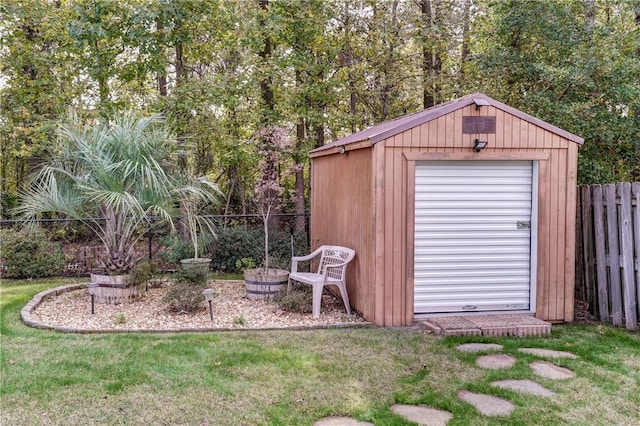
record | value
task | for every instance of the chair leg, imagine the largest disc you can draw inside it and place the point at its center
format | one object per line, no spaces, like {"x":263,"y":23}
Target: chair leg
{"x":317,"y":299}
{"x":345,"y":298}
{"x":288,"y":285}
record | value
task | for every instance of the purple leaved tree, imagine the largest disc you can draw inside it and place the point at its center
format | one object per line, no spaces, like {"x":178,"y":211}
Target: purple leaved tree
{"x":275,"y":145}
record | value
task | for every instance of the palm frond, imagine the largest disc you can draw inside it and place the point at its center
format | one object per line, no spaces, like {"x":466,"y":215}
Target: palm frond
{"x":120,"y":169}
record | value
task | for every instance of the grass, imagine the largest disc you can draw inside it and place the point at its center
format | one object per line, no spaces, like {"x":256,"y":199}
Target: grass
{"x":294,"y":377}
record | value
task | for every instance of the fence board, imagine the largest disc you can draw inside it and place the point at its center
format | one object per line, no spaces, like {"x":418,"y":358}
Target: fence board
{"x":635,"y":209}
{"x":586,"y":245}
{"x":580,"y":287}
{"x":626,"y":249}
{"x":614,"y":254}
{"x":609,"y":246}
{"x":601,"y":259}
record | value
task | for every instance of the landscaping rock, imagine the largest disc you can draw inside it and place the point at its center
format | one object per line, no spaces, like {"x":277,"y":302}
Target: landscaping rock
{"x":547,"y":353}
{"x":71,"y":311}
{"x":422,"y":415}
{"x":524,"y":386}
{"x":479,"y":347}
{"x":496,"y":362}
{"x":341,"y":421}
{"x":551,"y":371}
{"x":487,"y":404}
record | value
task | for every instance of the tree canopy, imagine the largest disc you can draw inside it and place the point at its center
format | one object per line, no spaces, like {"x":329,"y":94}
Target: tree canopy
{"x":219,"y":70}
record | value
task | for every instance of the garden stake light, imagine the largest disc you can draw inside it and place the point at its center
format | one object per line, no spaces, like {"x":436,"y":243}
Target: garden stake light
{"x":91,"y":286}
{"x":208,"y":295}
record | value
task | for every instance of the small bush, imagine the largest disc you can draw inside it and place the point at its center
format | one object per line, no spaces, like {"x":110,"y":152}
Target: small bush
{"x":29,"y":253}
{"x":185,"y":295}
{"x":142,"y":273}
{"x":175,"y":249}
{"x":299,"y":299}
{"x":120,"y":319}
{"x":245,"y":263}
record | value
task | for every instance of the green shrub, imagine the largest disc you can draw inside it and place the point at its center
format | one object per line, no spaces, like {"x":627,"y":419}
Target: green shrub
{"x":245,"y":263}
{"x":69,"y":232}
{"x":175,"y":249}
{"x":232,"y":245}
{"x":29,"y":253}
{"x":142,"y":273}
{"x":298,"y":299}
{"x":185,"y":295}
{"x":237,"y":243}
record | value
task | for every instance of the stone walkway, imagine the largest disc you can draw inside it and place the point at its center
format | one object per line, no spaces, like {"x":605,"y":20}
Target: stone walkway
{"x":487,"y":405}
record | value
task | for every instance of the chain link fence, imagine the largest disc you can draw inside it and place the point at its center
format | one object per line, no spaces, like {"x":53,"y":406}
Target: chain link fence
{"x":239,"y":242}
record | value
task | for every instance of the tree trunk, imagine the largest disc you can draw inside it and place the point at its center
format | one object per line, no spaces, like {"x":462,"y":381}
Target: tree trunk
{"x":182,"y":156}
{"x":179,"y":63}
{"x":300,"y":193}
{"x":348,"y":62}
{"x":319,"y":131}
{"x":466,"y":50}
{"x":266,"y":83}
{"x":431,"y":61}
{"x":385,"y":78}
{"x":162,"y":76}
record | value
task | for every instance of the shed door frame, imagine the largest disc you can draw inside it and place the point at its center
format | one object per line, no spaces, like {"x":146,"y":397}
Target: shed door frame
{"x":540,"y":161}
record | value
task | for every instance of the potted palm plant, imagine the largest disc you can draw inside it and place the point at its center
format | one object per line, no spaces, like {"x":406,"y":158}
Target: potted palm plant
{"x":266,"y":282}
{"x":199,"y":227}
{"x":116,"y":176}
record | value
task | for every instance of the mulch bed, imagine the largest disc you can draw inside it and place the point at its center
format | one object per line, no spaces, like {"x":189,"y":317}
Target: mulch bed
{"x":231,"y":310}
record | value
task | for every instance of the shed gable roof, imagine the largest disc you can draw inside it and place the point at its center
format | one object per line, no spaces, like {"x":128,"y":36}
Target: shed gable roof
{"x":390,"y":128}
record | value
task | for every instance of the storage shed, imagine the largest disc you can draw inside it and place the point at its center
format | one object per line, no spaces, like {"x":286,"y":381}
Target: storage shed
{"x":468,"y":206}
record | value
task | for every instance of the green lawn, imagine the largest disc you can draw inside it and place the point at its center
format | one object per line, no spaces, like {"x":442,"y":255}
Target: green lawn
{"x":294,"y":377}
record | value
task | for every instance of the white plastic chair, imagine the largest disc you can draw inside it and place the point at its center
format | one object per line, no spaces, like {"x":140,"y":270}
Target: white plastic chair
{"x":332,"y":270}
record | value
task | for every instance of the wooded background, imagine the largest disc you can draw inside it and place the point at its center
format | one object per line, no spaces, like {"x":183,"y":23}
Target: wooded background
{"x":321,"y":69}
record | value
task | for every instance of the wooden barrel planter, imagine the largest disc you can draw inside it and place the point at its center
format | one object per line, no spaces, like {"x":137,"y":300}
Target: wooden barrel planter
{"x":113,"y":289}
{"x":263,"y":285}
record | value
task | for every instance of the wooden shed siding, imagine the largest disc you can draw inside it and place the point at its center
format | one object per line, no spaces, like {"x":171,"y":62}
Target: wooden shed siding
{"x":379,"y":235}
{"x":343,"y":215}
{"x":556,"y":195}
{"x":570,"y":232}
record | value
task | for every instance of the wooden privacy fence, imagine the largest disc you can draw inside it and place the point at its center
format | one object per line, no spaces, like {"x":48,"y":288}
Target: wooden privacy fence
{"x":608,"y":252}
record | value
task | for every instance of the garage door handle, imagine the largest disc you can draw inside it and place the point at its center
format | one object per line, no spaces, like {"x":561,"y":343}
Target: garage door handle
{"x":469,"y":308}
{"x":524,"y":224}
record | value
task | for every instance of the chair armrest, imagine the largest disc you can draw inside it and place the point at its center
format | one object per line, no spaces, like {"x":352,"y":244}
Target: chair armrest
{"x":296,"y":259}
{"x":335,"y":265}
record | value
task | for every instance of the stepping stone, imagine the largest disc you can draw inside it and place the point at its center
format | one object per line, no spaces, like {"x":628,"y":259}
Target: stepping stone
{"x":551,"y":371}
{"x":487,"y":404}
{"x":496,"y":361}
{"x":479,"y":347}
{"x":340,"y":421}
{"x":422,"y":415}
{"x":524,"y":386}
{"x":547,"y":353}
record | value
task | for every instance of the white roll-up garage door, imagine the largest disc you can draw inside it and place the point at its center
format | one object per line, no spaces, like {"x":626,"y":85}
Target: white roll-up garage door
{"x":473,"y":232}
